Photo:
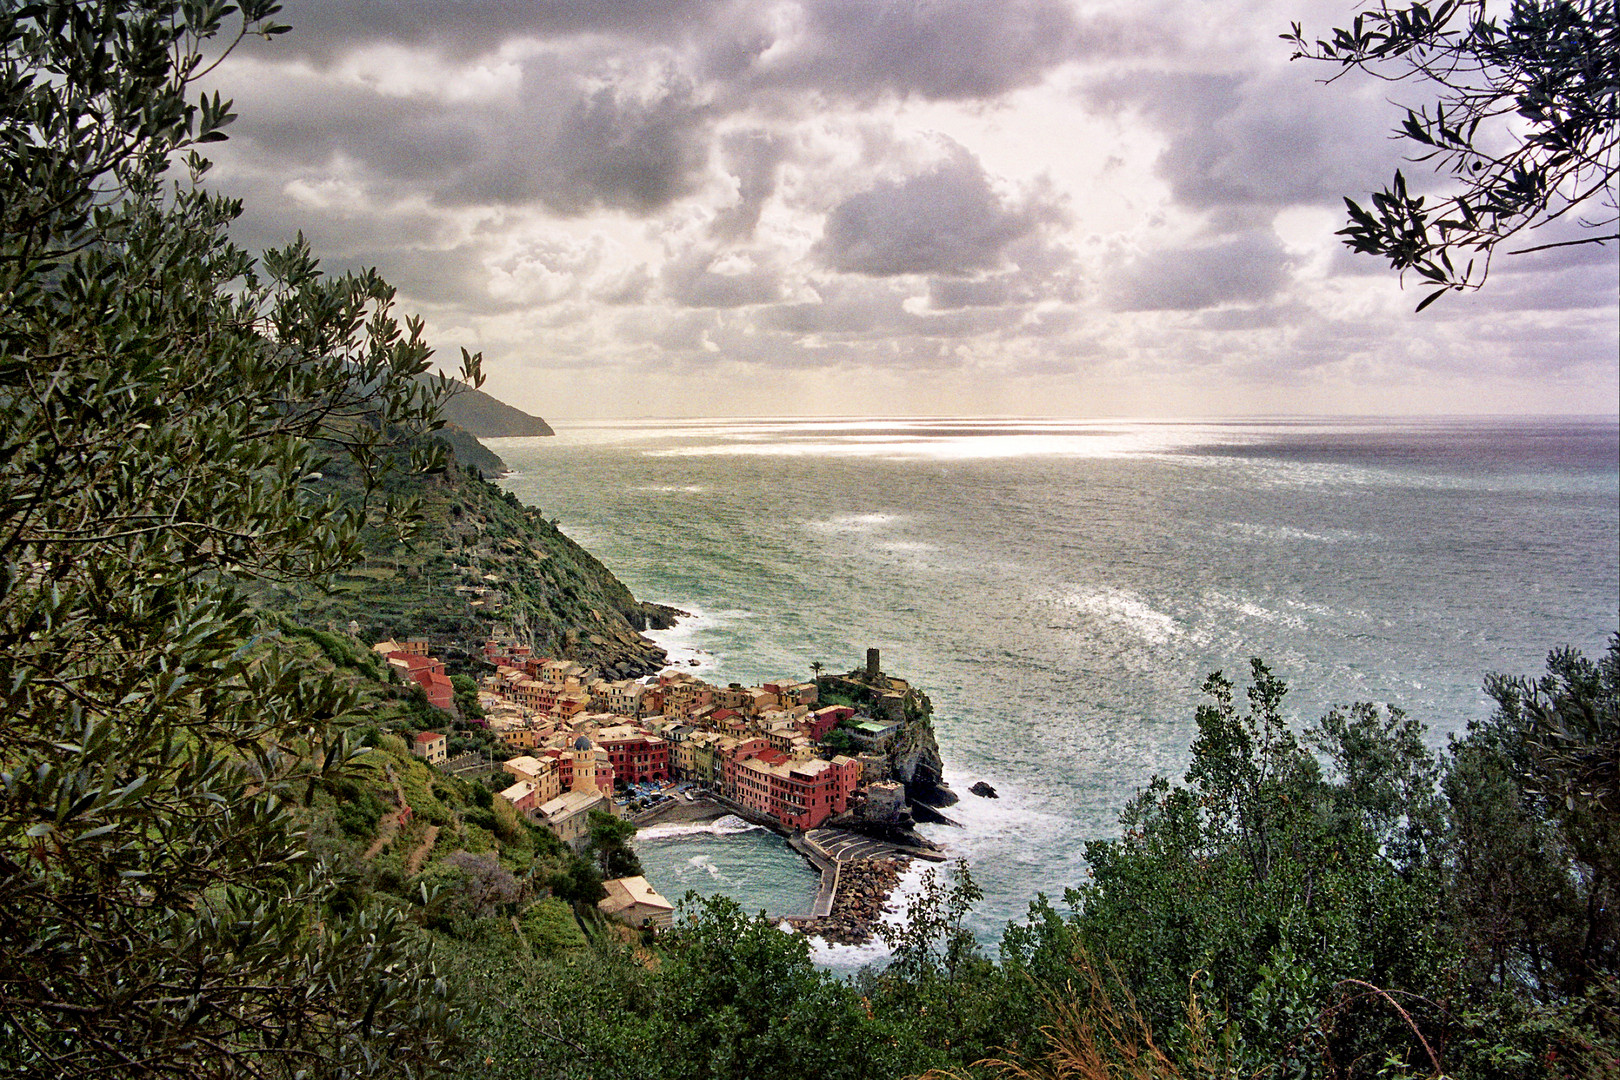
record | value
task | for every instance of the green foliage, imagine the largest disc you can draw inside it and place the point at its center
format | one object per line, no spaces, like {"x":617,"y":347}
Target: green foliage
{"x":939,"y":989}
{"x":737,"y":997}
{"x":610,"y":845}
{"x":549,"y":928}
{"x":1385,"y":913}
{"x":1535,"y":838}
{"x":358,"y":809}
{"x":1523,"y":125}
{"x":466,"y":697}
{"x":1271,"y":884}
{"x":840,"y":741}
{"x":166,"y":403}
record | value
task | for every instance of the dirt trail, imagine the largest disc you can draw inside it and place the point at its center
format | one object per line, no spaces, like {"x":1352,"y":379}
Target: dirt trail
{"x":388,"y":827}
{"x":421,"y":853}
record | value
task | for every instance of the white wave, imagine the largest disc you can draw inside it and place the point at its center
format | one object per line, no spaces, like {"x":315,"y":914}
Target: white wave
{"x":680,"y":641}
{"x":729,"y":825}
{"x":706,"y":864}
{"x":1251,"y":610}
{"x":851,"y":958}
{"x":1285,"y":532}
{"x":1127,"y":609}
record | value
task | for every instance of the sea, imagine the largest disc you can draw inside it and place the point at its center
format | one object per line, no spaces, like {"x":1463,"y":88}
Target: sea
{"x":1061,"y":589}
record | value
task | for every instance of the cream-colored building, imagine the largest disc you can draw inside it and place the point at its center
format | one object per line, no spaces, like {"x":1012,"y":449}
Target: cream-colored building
{"x":631,"y":900}
{"x":541,"y":772}
{"x":569,"y":815}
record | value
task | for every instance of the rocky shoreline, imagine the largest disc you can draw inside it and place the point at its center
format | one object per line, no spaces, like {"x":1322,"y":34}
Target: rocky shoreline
{"x":864,"y":886}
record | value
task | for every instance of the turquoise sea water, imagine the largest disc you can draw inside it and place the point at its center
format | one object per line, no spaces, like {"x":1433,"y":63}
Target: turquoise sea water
{"x":728,"y":857}
{"x":1061,"y":589}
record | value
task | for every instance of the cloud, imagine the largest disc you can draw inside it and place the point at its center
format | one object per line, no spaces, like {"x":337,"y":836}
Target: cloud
{"x":327,"y":28}
{"x":705,"y":279}
{"x":609,"y":149}
{"x":572,"y":140}
{"x":646,"y":186}
{"x":1272,"y":138}
{"x":753,"y":157}
{"x":945,"y":221}
{"x":1247,"y":269}
{"x":934,"y":49}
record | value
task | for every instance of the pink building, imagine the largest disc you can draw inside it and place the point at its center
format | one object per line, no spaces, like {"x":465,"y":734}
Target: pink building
{"x":821,"y":721}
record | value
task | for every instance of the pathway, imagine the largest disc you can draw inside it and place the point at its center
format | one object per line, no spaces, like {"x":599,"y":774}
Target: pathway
{"x":421,"y":853}
{"x":388,"y":826}
{"x":844,"y":846}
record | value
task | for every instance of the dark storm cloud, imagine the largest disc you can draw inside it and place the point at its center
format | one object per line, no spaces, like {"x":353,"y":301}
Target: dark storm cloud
{"x":559,"y":146}
{"x":1247,"y":269}
{"x":327,"y":28}
{"x":946,"y":221}
{"x":961,"y":292}
{"x":606,"y":150}
{"x":936,"y":49}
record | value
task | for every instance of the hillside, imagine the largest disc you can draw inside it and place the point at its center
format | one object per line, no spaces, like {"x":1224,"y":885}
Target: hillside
{"x":484,"y":566}
{"x":470,"y":453}
{"x":489,"y":418}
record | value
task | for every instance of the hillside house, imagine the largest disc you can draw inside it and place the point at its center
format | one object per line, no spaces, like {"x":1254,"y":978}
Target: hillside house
{"x":431,"y":746}
{"x":632,"y":900}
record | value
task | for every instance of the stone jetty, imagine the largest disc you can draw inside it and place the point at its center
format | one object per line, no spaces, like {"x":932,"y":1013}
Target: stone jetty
{"x":864,"y":886}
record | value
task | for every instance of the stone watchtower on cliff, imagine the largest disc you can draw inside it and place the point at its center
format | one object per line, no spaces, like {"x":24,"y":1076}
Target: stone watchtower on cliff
{"x":872,"y":670}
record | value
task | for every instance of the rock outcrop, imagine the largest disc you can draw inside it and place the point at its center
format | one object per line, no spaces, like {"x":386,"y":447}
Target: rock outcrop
{"x":914,"y":757}
{"x":984,"y":790}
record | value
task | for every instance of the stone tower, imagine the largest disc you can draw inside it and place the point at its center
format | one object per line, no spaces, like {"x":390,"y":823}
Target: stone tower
{"x":871,"y":663}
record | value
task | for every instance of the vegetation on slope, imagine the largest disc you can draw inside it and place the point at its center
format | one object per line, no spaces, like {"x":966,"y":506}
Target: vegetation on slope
{"x":481,"y":565}
{"x":487,"y":417}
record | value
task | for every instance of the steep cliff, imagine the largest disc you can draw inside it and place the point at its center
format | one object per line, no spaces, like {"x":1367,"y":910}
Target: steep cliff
{"x":914,"y":757}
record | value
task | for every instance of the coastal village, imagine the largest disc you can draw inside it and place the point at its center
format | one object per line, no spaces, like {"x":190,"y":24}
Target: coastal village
{"x":824,"y":761}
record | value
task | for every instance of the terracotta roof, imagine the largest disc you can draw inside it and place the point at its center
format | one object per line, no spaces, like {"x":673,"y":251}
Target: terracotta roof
{"x":428,"y":736}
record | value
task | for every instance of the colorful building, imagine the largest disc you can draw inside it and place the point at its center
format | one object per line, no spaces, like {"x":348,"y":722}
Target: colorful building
{"x":799,"y":794}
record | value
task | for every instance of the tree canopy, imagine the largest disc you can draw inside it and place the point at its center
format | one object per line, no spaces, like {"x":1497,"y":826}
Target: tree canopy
{"x":167,"y":406}
{"x":1522,"y":124}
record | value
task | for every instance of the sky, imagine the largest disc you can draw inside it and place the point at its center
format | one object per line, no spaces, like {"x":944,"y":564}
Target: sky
{"x":886,"y":207}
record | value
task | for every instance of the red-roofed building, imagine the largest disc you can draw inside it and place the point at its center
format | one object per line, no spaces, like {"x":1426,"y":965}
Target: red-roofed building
{"x":427,"y":673}
{"x":821,"y":721}
{"x":409,"y":664}
{"x":440,"y":693}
